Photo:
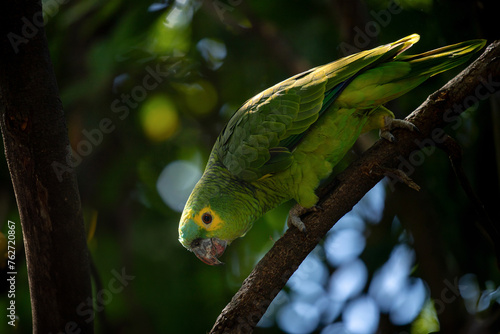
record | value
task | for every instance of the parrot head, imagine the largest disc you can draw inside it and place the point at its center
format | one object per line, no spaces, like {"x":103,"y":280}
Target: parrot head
{"x":200,"y":232}
{"x":211,"y":220}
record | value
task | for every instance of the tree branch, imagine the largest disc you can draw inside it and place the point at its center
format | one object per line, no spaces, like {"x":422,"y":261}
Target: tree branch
{"x":35,"y":138}
{"x":443,"y":107}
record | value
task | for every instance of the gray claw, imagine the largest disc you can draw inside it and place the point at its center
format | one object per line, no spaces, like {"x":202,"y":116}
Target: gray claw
{"x":294,"y":216}
{"x":392,"y":123}
{"x":294,"y":220}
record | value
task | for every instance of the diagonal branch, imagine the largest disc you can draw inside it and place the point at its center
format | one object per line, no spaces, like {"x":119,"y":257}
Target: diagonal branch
{"x":477,"y":82}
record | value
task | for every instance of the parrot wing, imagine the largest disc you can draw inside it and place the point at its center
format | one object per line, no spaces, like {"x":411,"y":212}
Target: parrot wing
{"x":260,"y":137}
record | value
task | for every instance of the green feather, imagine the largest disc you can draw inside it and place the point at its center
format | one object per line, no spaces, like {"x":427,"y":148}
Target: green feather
{"x":281,"y":143}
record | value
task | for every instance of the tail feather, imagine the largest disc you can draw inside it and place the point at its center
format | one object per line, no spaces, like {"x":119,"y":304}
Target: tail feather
{"x":394,"y":74}
{"x":442,"y":59}
{"x":399,"y":47}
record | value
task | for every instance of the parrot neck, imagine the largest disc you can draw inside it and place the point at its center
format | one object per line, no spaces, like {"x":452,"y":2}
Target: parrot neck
{"x":269,"y":193}
{"x":252,"y":199}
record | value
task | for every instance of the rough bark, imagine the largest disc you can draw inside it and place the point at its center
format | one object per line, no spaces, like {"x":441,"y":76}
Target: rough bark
{"x":477,"y":82}
{"x":35,"y":139}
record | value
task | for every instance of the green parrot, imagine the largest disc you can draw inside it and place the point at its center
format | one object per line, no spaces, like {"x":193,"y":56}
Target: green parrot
{"x":282,"y":142}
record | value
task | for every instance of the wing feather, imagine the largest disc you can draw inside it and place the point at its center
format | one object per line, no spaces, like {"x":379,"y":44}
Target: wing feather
{"x":260,"y":137}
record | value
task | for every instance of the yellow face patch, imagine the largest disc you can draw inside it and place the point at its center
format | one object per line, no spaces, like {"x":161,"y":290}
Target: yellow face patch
{"x":207,"y":219}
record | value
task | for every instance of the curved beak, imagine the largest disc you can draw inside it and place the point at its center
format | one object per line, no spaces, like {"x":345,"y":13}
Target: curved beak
{"x":208,"y":250}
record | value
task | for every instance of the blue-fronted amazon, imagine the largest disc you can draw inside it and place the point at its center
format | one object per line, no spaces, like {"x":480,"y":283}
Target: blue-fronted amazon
{"x":282,"y":142}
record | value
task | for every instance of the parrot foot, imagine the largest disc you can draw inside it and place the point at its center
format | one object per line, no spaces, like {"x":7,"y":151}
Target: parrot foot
{"x":296,"y":212}
{"x":391,"y":124}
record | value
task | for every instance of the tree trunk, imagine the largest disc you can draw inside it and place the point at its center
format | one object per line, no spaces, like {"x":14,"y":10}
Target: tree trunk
{"x":36,"y":144}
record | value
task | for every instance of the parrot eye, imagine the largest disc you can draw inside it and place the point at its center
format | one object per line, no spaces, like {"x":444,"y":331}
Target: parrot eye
{"x":206,"y":218}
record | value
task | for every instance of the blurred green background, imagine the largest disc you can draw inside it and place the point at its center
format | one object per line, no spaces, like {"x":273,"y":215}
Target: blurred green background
{"x":147,"y":86}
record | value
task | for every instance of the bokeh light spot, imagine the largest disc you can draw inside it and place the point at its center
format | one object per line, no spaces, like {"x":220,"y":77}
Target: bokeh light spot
{"x":348,"y":280}
{"x":361,"y":316}
{"x":176,"y":182}
{"x":409,"y":302}
{"x":336,"y":328}
{"x":200,"y":96}
{"x":213,"y":51}
{"x":392,"y":277}
{"x":311,"y":269}
{"x":371,"y":206}
{"x":159,"y":118}
{"x":344,"y":245}
{"x":298,"y":318}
